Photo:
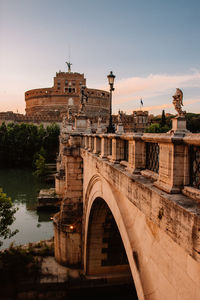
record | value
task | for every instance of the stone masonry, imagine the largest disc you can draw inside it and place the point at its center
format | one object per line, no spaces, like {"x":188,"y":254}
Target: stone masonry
{"x":148,"y":184}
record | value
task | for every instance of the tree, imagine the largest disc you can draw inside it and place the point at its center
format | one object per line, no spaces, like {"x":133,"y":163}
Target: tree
{"x":40,"y":165}
{"x":20,"y":142}
{"x":163,"y":119}
{"x":7,"y":212}
{"x":51,"y":142}
{"x":156,"y":128}
{"x":193,"y":122}
{"x":153,"y":128}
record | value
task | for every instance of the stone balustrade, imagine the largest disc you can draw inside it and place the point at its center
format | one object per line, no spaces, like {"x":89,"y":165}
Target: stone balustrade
{"x":167,"y":159}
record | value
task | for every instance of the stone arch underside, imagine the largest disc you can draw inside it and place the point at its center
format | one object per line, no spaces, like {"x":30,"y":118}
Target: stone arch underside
{"x":105,"y":249}
{"x":105,"y":232}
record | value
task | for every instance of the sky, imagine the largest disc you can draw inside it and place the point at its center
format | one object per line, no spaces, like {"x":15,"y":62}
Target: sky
{"x":152,"y":47}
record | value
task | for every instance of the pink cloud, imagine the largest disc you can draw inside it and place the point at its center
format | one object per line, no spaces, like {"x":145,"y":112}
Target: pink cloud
{"x":164,"y":106}
{"x":134,"y":88}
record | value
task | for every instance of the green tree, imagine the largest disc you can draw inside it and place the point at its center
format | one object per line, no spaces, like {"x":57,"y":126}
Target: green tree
{"x":7,"y":212}
{"x":153,"y":128}
{"x":40,"y":165}
{"x":156,"y":128}
{"x":51,"y":142}
{"x":163,"y":119}
{"x":193,"y":122}
{"x":20,"y":142}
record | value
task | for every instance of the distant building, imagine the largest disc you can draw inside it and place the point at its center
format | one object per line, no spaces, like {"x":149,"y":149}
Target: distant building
{"x":135,"y":122}
{"x":48,"y":105}
{"x":64,"y":94}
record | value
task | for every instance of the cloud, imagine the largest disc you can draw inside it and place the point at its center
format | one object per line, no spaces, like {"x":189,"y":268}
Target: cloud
{"x":153,"y":85}
{"x":164,"y":106}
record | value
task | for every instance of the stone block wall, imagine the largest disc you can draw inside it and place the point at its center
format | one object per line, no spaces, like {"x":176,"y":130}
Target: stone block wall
{"x":69,"y":184}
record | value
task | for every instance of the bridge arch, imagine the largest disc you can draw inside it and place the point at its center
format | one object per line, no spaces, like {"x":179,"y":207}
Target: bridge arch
{"x":103,"y":218}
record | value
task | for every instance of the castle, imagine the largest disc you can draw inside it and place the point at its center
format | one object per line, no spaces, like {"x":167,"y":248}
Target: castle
{"x":65,"y":94}
{"x":49,"y":105}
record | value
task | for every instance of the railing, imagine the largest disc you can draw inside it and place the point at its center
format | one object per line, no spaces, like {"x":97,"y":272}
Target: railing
{"x":172,"y":162}
{"x":126,"y":150}
{"x":152,"y":157}
{"x":110,"y":146}
{"x":195,"y":166}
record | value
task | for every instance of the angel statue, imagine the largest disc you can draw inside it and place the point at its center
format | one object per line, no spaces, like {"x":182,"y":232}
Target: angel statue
{"x":178,"y":102}
{"x":83,"y":99}
{"x":69,"y":115}
{"x":99,"y":121}
{"x":69,"y":66}
{"x":119,"y":117}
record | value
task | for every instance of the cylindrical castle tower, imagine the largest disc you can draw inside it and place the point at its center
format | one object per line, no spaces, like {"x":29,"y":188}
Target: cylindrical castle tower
{"x":65,"y":94}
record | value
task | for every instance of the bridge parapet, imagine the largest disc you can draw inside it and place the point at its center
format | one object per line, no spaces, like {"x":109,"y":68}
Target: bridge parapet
{"x":150,"y":183}
{"x":125,"y":162}
{"x":172,"y":161}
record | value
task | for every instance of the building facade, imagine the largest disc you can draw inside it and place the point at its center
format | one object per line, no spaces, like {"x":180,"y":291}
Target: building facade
{"x":65,"y":94}
{"x":135,"y":122}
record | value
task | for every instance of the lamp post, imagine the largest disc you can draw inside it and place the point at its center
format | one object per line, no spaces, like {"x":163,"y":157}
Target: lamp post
{"x":111,"y":78}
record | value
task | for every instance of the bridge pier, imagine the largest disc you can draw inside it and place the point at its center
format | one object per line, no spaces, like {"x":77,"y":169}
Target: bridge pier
{"x":68,"y":222}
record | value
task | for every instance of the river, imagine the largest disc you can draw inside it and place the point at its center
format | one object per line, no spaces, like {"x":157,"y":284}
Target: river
{"x":23,"y":188}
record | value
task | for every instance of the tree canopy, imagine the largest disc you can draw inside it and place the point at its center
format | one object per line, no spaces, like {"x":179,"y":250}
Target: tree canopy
{"x":7,"y":212}
{"x":20,"y":143}
{"x":164,"y":124}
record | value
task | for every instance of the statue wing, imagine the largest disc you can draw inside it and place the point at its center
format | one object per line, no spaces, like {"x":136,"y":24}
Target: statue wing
{"x":181,"y":94}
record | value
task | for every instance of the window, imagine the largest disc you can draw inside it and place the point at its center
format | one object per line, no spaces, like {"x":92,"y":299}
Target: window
{"x":70,"y":90}
{"x":66,"y":82}
{"x":152,"y":157}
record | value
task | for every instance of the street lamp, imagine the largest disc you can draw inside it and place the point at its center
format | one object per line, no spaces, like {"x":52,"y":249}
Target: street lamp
{"x":111,"y":78}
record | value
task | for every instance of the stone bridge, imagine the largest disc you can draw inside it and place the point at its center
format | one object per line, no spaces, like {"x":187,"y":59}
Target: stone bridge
{"x":131,"y":208}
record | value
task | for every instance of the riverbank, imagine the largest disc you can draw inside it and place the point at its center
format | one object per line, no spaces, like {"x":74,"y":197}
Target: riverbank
{"x":53,"y":281}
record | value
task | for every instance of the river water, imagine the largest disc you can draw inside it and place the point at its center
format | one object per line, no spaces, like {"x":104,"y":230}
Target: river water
{"x":23,"y":188}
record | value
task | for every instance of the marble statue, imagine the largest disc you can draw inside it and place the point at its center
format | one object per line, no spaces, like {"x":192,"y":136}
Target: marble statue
{"x":178,"y":102}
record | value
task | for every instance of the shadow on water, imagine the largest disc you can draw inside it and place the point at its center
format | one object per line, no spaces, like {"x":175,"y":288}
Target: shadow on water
{"x":23,"y":188}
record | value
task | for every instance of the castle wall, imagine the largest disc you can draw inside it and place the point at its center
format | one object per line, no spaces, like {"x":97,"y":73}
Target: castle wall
{"x":66,"y":94}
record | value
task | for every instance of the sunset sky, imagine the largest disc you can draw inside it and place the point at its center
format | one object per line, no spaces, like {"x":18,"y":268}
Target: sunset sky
{"x":152,"y":46}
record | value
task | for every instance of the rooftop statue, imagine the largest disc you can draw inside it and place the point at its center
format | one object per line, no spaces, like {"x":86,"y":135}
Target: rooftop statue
{"x":119,"y":116}
{"x":69,"y":115}
{"x":99,"y":121}
{"x":83,"y":99}
{"x":69,"y":66}
{"x":178,"y":102}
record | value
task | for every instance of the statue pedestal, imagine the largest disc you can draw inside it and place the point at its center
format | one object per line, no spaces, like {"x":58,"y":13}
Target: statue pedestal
{"x":99,"y":129}
{"x":179,"y":126}
{"x":120,"y":128}
{"x":80,"y":122}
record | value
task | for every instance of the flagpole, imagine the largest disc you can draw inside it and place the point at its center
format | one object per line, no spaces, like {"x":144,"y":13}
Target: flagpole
{"x":141,"y":103}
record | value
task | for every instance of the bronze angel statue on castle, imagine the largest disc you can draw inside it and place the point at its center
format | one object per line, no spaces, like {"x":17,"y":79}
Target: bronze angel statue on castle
{"x":178,"y":102}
